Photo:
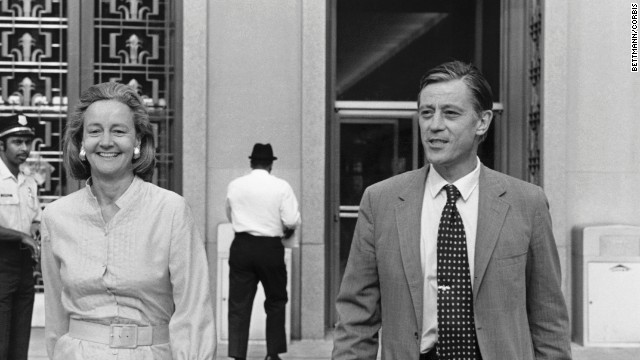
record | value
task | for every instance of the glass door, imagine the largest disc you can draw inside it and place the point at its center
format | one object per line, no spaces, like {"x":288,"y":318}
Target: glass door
{"x":380,"y":50}
{"x":377,"y":140}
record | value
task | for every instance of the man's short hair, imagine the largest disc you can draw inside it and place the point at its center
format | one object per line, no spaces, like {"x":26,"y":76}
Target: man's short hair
{"x":469,"y":74}
{"x":261,"y":163}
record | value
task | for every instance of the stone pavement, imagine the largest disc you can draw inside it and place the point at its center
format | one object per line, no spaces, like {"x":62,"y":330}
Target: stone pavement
{"x":321,"y":350}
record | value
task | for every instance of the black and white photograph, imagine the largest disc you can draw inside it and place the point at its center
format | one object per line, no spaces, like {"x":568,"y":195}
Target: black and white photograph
{"x":319,"y":179}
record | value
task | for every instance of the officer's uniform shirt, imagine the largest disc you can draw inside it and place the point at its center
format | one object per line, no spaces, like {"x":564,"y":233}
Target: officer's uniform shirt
{"x":19,"y":205}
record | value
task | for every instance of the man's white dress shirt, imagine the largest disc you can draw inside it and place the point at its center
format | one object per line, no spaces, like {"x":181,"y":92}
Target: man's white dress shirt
{"x":433,"y":203}
{"x":261,"y":204}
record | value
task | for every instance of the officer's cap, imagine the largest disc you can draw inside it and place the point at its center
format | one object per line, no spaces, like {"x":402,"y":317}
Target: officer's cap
{"x":17,"y":125}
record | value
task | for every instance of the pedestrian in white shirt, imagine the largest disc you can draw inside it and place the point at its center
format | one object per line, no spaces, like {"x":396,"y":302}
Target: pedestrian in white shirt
{"x":262,"y":209}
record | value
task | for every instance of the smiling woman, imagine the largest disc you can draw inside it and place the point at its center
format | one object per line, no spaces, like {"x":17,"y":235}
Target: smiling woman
{"x":109,"y":140}
{"x":120,"y":101}
{"x":125,"y":269}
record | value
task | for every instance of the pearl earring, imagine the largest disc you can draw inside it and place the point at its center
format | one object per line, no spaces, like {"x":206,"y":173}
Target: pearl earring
{"x":83,"y":154}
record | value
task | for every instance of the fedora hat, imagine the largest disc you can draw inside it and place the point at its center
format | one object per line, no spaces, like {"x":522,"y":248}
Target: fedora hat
{"x":262,"y":152}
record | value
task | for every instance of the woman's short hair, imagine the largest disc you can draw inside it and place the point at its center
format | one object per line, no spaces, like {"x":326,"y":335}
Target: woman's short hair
{"x":72,"y":142}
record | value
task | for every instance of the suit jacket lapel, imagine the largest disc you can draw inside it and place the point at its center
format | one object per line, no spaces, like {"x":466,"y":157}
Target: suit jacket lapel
{"x":408,"y":213}
{"x":491,"y":214}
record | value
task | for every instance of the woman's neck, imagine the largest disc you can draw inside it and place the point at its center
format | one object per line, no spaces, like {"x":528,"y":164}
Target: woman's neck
{"x":108,"y":191}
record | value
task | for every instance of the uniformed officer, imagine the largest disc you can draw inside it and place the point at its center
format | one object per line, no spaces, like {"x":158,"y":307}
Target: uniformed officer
{"x":19,"y":220}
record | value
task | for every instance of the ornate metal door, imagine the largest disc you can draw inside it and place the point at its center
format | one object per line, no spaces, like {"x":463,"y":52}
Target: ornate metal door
{"x":33,"y":71}
{"x":133,"y":42}
{"x":51,"y":50}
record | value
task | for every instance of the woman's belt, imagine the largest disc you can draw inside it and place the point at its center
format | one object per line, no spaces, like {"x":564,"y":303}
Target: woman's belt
{"x":123,"y":336}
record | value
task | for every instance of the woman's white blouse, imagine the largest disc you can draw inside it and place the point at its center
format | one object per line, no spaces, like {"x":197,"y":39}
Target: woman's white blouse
{"x":147,"y":266}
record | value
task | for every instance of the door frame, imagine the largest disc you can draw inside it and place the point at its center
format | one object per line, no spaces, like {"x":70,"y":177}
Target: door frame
{"x":514,"y":138}
{"x":356,"y":112}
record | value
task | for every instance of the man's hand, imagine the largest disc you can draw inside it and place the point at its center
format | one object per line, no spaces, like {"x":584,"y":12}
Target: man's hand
{"x":288,"y":232}
{"x":35,"y":229}
{"x":32,"y":245}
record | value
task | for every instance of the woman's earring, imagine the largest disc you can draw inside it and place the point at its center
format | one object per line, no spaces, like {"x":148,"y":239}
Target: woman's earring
{"x":136,"y":153}
{"x":83,"y":154}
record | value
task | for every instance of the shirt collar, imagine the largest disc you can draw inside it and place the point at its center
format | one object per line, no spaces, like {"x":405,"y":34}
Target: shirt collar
{"x":131,"y":194}
{"x":128,"y":197}
{"x":259,"y":171}
{"x":466,"y":184}
{"x":5,"y":173}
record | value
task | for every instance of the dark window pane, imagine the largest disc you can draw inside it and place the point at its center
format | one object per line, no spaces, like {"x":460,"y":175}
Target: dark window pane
{"x":384,"y":47}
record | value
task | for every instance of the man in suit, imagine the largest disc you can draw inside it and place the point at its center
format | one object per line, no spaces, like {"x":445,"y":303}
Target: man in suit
{"x":505,"y":280}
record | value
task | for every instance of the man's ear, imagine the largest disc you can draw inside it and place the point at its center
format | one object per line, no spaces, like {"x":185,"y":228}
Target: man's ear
{"x":2,"y":145}
{"x":483,"y":122}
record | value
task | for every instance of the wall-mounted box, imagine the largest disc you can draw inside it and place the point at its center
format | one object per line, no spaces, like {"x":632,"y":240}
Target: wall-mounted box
{"x":606,"y":285}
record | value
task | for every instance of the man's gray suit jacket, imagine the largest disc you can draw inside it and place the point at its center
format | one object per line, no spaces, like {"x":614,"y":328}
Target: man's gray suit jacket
{"x":519,"y":309}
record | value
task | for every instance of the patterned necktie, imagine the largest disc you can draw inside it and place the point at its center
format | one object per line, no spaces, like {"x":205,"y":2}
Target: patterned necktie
{"x":456,"y":328}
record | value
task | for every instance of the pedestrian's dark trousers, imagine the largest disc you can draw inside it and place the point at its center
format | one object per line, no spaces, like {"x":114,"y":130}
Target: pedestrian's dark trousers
{"x":16,"y":301}
{"x":254,"y":259}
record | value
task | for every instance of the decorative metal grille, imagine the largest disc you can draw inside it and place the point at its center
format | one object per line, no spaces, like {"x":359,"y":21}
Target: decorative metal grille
{"x":535,"y":69}
{"x":33,"y":73}
{"x":33,"y":70}
{"x":132,"y":46}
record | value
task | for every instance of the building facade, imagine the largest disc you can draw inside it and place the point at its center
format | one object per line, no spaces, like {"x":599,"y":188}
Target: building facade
{"x":221,"y":75}
{"x":568,"y":121}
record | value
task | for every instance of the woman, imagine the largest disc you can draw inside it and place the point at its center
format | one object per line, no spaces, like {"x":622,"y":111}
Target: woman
{"x":125,"y":269}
